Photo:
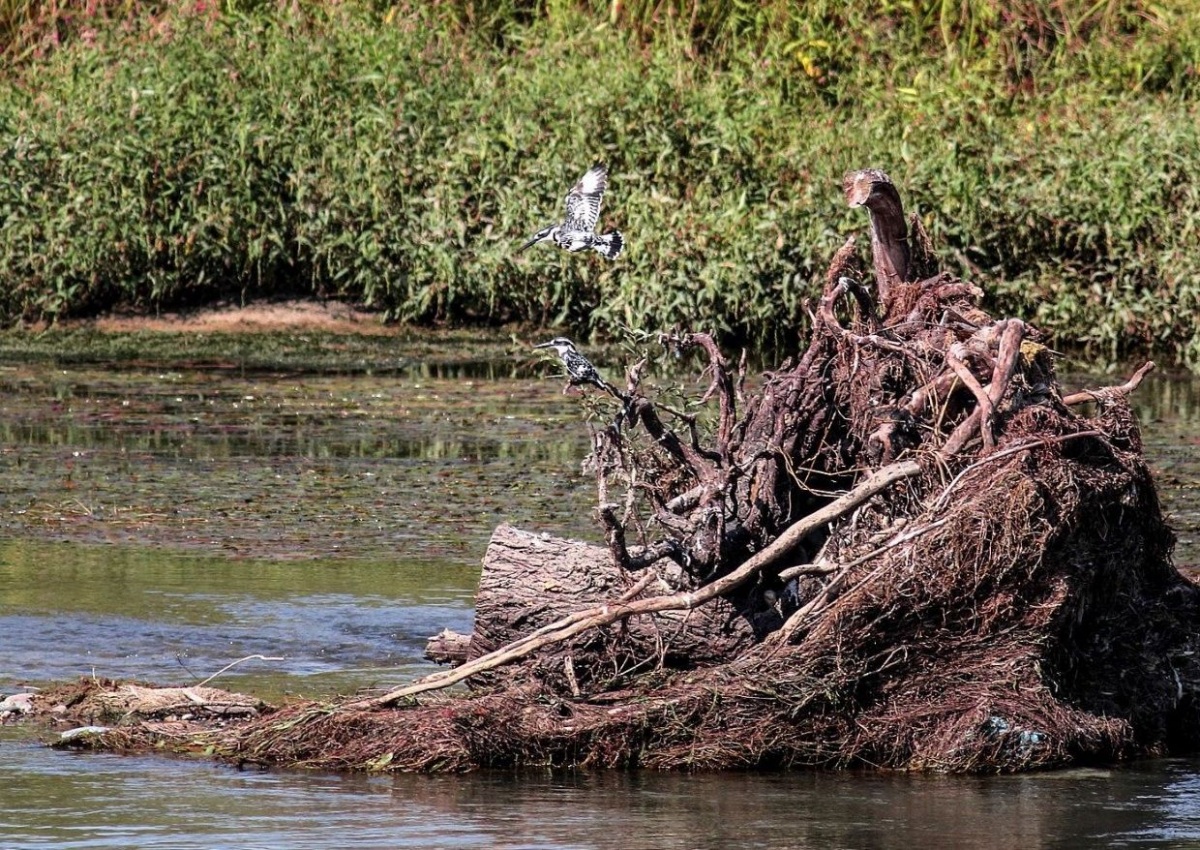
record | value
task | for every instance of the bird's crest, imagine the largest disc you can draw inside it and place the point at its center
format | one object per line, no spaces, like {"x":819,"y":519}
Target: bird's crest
{"x":559,"y":343}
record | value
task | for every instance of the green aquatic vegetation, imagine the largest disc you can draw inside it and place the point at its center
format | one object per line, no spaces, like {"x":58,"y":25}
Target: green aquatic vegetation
{"x":196,"y":459}
{"x":410,"y":351}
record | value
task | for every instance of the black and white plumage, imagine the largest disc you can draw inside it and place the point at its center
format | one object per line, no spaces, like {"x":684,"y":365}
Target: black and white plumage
{"x":579,"y":369}
{"x":577,"y":230}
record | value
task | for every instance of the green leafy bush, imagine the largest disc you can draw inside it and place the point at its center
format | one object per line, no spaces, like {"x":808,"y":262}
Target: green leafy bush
{"x":399,"y":161}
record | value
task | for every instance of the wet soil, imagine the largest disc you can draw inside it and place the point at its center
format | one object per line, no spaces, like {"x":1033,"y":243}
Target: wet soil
{"x":333,"y":317}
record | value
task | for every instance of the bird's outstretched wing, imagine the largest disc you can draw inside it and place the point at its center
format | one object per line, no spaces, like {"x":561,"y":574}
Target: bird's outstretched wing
{"x":583,"y":201}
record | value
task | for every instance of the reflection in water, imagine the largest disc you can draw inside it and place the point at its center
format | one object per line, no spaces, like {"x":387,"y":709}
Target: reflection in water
{"x":69,"y":611}
{"x":1169,"y":410}
{"x":337,"y":520}
{"x":69,"y":801}
{"x":199,"y":459}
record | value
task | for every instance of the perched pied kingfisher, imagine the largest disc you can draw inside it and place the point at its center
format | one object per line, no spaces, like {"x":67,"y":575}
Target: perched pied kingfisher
{"x":577,"y":231}
{"x":579,"y":369}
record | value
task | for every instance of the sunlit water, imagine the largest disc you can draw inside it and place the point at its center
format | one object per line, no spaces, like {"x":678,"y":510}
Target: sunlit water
{"x":160,"y":523}
{"x":57,"y":800}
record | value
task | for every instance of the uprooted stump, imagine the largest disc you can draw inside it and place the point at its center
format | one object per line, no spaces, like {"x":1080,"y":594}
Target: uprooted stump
{"x":906,"y":549}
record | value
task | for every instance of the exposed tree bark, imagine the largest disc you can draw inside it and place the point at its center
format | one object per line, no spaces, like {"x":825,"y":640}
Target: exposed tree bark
{"x":889,"y":233}
{"x":530,"y":581}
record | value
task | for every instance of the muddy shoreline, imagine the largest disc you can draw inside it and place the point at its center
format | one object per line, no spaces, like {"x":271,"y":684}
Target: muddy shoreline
{"x":257,"y":316}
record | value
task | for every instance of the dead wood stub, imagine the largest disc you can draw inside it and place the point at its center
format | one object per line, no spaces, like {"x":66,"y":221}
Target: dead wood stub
{"x":889,"y":233}
{"x":448,"y":647}
{"x":530,"y":581}
{"x":907,"y":548}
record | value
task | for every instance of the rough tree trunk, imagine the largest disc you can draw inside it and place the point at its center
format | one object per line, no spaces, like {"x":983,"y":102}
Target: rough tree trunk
{"x":531,"y":580}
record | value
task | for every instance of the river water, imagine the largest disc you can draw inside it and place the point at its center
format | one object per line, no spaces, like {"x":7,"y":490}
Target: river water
{"x":162,"y":516}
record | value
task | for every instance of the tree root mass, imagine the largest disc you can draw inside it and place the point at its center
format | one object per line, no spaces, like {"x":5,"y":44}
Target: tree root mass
{"x":906,"y":549}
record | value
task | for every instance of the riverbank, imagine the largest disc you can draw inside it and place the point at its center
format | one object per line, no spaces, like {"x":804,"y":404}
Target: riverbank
{"x":158,"y":164}
{"x":262,"y":316}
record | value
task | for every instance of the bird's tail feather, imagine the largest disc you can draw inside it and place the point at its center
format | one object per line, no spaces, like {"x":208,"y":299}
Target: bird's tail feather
{"x":610,"y":244}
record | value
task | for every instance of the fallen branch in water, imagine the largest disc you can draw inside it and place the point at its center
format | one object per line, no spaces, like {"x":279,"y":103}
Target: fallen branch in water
{"x":1119,"y":391}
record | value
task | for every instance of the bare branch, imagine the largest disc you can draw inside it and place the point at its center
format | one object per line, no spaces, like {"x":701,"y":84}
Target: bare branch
{"x":1118,"y":391}
{"x":233,"y":664}
{"x":1011,"y":450}
{"x":643,"y":410}
{"x":954,"y":359}
{"x":1007,"y":356}
{"x":622,"y":556}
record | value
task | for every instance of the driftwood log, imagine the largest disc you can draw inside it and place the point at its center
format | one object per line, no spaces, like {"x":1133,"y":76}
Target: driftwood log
{"x":906,"y":548}
{"x":530,"y":581}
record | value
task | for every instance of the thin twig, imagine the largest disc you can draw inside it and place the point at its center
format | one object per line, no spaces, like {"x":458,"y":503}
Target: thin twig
{"x":816,"y":568}
{"x":1011,"y":450}
{"x":233,"y":664}
{"x":819,"y":569}
{"x":826,"y":598}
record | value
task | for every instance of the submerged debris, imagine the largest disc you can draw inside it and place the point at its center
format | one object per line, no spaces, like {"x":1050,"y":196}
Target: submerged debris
{"x":94,"y":700}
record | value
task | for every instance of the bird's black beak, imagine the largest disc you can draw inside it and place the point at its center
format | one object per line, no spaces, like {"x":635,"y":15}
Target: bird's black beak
{"x":540,"y":236}
{"x":544,"y":345}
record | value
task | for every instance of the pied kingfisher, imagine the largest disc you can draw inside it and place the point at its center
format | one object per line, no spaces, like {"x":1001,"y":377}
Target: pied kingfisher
{"x":577,"y":231}
{"x":579,"y":369}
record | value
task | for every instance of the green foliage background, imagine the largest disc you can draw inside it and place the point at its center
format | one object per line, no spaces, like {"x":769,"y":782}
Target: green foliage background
{"x":397,"y":156}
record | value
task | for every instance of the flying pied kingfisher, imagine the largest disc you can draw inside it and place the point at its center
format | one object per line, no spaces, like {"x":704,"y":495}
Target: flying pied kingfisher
{"x":577,"y":231}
